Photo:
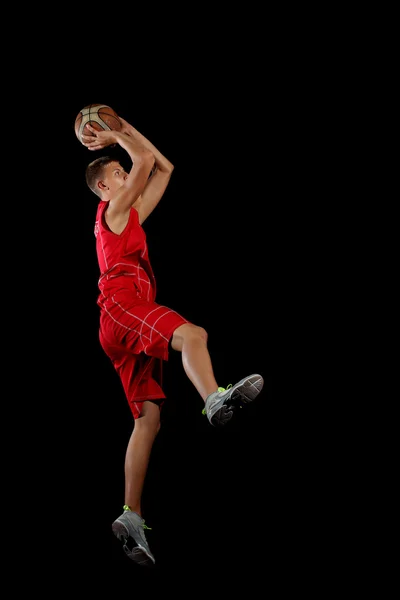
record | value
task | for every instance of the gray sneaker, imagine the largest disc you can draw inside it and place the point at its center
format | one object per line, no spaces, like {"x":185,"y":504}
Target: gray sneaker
{"x":129,"y":528}
{"x":220,"y":405}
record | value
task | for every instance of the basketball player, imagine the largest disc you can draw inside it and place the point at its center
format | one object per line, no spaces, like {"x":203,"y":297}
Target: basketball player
{"x":135,"y":331}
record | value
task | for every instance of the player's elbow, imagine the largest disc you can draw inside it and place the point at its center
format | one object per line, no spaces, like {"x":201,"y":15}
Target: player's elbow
{"x":147,"y":159}
{"x":145,"y":162}
{"x":165,"y":167}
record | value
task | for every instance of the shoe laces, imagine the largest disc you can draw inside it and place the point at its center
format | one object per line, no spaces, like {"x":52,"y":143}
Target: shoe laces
{"x":220,"y":389}
{"x":126,"y":508}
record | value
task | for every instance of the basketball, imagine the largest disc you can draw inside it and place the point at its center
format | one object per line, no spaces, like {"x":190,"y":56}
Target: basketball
{"x":99,"y":116}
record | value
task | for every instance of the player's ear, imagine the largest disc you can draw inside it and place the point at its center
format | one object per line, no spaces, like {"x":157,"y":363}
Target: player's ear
{"x":102,"y":186}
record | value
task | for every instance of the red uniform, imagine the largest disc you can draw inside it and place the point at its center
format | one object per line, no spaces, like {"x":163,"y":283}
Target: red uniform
{"x":134,"y":330}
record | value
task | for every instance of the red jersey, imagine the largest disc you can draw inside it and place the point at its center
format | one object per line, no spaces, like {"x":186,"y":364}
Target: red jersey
{"x":123,"y":259}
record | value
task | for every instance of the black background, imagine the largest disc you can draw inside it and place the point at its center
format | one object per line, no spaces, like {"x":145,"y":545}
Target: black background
{"x":240,"y":507}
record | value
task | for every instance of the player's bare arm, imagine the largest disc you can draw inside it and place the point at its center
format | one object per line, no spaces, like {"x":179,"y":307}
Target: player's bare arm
{"x":157,"y":184}
{"x":143,"y":161}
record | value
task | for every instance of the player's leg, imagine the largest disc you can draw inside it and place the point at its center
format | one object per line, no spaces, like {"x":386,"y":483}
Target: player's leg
{"x":220,"y":403}
{"x":129,"y":527}
{"x":137,"y":454}
{"x":191,"y":341}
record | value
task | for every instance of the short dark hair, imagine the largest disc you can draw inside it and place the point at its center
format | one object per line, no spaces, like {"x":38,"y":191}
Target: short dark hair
{"x":94,"y":172}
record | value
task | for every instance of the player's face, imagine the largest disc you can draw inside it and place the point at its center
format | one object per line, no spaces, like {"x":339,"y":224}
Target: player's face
{"x":114,"y":176}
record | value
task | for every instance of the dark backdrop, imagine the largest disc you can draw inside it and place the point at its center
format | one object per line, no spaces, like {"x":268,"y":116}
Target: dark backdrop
{"x":210,"y":495}
{"x":234,"y":506}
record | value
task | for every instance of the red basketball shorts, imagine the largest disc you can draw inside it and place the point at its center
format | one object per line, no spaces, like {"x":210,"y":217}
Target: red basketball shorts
{"x":135,"y":335}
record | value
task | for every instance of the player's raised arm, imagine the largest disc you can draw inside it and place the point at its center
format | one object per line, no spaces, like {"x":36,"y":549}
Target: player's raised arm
{"x":159,"y":180}
{"x":134,"y":182}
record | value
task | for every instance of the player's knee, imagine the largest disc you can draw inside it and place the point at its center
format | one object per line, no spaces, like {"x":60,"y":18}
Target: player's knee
{"x":188,"y":333}
{"x":196,"y":332}
{"x":203,"y":335}
{"x":149,"y":418}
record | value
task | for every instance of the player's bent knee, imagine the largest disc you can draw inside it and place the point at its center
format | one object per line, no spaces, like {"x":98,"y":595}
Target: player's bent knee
{"x":186,"y":333}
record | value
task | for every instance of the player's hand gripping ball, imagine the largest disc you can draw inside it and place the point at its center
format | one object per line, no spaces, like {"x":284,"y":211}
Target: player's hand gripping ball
{"x":100,"y":116}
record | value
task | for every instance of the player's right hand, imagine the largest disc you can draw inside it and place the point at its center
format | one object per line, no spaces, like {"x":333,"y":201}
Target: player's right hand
{"x":99,"y":139}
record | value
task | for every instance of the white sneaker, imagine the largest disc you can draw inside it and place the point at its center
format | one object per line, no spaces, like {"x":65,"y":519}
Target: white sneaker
{"x":220,"y":405}
{"x":129,"y":528}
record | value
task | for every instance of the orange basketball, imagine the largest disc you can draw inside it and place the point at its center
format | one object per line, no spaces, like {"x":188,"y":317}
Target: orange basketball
{"x":99,"y":116}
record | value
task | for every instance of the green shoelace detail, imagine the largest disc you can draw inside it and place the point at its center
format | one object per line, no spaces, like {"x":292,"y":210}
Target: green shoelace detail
{"x":126,"y":507}
{"x":220,"y":389}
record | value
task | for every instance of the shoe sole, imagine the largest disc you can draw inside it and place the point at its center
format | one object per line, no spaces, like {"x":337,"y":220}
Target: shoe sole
{"x":243,"y":392}
{"x":137,"y":554}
